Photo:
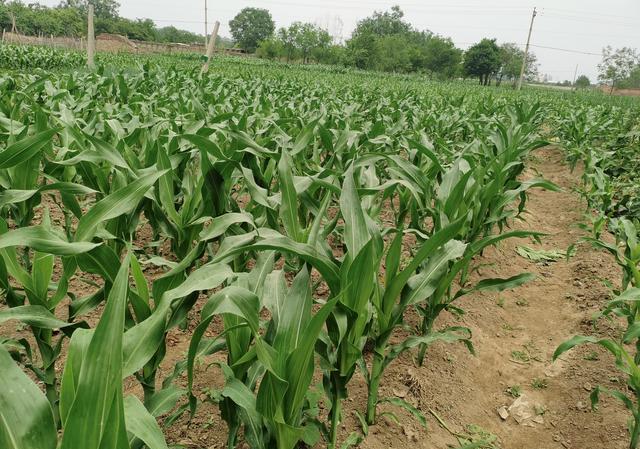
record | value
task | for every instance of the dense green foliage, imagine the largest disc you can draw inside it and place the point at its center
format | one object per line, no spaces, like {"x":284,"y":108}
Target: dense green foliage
{"x":583,"y":81}
{"x":324,"y":218}
{"x":250,"y":27}
{"x":19,"y":57}
{"x":483,"y":60}
{"x":618,"y":65}
{"x":70,"y":19}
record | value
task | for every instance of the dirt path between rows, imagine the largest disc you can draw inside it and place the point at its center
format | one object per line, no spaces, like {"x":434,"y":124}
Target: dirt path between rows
{"x":515,"y":334}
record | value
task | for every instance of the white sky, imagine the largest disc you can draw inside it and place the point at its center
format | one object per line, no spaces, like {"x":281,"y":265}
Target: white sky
{"x":581,"y":25}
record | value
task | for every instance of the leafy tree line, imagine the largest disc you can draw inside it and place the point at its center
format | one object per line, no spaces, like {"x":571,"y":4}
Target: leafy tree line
{"x":383,"y":41}
{"x":620,"y":68}
{"x":69,"y":19}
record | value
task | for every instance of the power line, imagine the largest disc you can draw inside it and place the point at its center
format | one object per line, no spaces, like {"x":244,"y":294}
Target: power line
{"x":593,"y":14}
{"x":567,"y":50}
{"x":590,"y":20}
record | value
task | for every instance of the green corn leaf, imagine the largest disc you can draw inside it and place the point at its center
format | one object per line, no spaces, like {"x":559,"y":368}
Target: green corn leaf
{"x":219,"y":225}
{"x":36,"y":316}
{"x":18,"y":196}
{"x":26,"y":419}
{"x":356,"y":232}
{"x":141,"y":341}
{"x":232,"y":300}
{"x":25,"y":149}
{"x":71,"y":374}
{"x":142,"y":425}
{"x":398,"y":402}
{"x":449,"y":335}
{"x":114,"y":205}
{"x":423,"y":284}
{"x":499,"y":284}
{"x":164,"y":400}
{"x":43,"y":240}
{"x":165,"y":190}
{"x":97,"y":414}
{"x":289,"y":201}
{"x":610,"y":345}
{"x":308,"y":253}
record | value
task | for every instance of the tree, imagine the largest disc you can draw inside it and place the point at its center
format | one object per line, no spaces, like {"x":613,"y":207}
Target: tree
{"x":305,"y":40}
{"x":172,"y":34}
{"x":616,"y":65}
{"x":250,"y":27}
{"x":310,"y":37}
{"x":442,"y":58}
{"x":392,"y":54}
{"x":363,"y":45}
{"x":483,"y":60}
{"x":633,"y":80}
{"x":511,"y":57}
{"x":583,"y":82}
{"x":383,"y":24}
{"x":271,"y":48}
{"x":103,"y":9}
{"x":288,"y":37}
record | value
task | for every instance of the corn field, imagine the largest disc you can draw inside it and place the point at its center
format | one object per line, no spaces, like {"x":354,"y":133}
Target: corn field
{"x":304,"y":225}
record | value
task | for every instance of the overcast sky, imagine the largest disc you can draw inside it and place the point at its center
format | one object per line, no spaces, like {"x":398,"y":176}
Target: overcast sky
{"x":578,"y":25}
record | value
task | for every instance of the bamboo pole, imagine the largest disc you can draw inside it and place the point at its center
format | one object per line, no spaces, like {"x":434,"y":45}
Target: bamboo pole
{"x":211,"y":47}
{"x":91,"y":40}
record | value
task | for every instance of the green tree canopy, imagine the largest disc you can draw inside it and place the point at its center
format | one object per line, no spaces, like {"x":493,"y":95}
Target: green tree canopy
{"x":369,"y":46}
{"x":383,"y":24}
{"x":483,"y":60}
{"x":69,"y":19}
{"x":251,"y":26}
{"x":303,"y":40}
{"x":583,"y":81}
{"x":442,"y":58}
{"x":103,"y":9}
{"x":633,"y":80}
{"x":617,"y":65}
{"x":511,"y":56}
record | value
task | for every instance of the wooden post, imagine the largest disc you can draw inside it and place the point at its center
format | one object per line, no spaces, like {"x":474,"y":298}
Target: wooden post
{"x":211,"y":47}
{"x":91,"y":39}
{"x":206,"y":25}
{"x":3,"y":30}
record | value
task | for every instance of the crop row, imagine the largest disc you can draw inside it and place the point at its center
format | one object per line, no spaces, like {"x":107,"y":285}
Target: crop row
{"x":308,"y":217}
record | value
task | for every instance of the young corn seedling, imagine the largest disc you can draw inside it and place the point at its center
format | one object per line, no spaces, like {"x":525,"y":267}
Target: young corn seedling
{"x":267,"y":375}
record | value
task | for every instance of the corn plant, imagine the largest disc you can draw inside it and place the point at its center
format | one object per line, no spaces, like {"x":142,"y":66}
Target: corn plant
{"x":94,"y":413}
{"x":627,"y":359}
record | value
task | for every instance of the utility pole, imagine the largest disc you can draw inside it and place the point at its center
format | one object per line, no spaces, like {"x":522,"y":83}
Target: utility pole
{"x":575,"y":74}
{"x":526,"y":50}
{"x":206,"y":26}
{"x":91,"y":39}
